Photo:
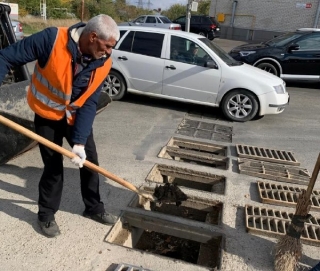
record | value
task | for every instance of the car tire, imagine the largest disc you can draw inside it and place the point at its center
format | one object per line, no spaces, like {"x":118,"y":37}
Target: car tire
{"x":268,"y":67}
{"x":240,"y":105}
{"x":202,"y":33}
{"x":115,"y":85}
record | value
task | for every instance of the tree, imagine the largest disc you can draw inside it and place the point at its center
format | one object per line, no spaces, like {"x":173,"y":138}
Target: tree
{"x":204,"y":7}
{"x":175,"y":11}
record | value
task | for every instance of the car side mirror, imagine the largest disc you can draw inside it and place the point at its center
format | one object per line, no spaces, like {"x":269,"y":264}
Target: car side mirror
{"x":211,"y":64}
{"x":293,"y":47}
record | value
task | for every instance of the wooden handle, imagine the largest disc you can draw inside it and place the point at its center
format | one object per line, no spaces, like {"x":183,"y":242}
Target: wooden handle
{"x":313,"y":178}
{"x":65,"y":152}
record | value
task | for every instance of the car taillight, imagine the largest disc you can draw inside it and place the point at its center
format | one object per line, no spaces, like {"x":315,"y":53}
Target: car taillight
{"x":213,"y":26}
{"x":20,"y":27}
{"x":175,"y":27}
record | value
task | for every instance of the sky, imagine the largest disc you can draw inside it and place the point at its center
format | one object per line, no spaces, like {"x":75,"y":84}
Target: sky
{"x":163,"y":4}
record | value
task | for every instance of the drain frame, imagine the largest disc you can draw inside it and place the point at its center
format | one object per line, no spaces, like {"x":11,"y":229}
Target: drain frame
{"x":266,"y":154}
{"x":161,"y":173}
{"x":283,"y":195}
{"x":129,"y":228}
{"x":188,"y":208}
{"x":273,"y":171}
{"x":185,"y":150}
{"x":277,"y":223}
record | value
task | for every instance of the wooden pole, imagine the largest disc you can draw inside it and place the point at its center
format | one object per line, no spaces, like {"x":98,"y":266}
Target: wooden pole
{"x":82,"y":10}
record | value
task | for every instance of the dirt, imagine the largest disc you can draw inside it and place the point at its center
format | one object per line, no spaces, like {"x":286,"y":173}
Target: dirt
{"x":169,"y":193}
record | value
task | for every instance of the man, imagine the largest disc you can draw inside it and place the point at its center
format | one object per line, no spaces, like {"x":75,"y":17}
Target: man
{"x":71,"y":67}
{"x":192,"y":53}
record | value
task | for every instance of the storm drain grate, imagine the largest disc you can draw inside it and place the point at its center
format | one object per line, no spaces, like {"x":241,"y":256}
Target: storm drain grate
{"x":273,"y":223}
{"x":194,"y":208}
{"x":192,"y":151}
{"x":285,"y":195}
{"x":193,"y":179}
{"x":172,"y":239}
{"x":266,"y":154}
{"x":129,"y":267}
{"x":205,"y":130}
{"x":272,"y":171}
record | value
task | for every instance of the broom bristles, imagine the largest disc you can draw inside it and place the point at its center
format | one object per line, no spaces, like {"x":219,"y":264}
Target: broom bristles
{"x":288,"y":251}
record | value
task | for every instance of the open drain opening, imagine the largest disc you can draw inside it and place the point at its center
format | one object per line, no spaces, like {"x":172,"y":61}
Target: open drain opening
{"x":169,"y":239}
{"x":193,"y":208}
{"x":188,"y":178}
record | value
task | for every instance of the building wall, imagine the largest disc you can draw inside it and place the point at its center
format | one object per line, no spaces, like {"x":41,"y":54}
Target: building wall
{"x":258,"y":17}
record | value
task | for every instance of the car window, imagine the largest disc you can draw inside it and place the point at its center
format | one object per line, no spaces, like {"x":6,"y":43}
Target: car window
{"x":185,"y":50}
{"x":310,"y":42}
{"x":195,"y":19}
{"x":165,"y":20}
{"x":126,"y":44}
{"x":149,"y":44}
{"x":158,"y":20}
{"x":181,"y":20}
{"x":140,"y":19}
{"x":122,"y":32}
{"x":283,"y":40}
{"x":151,"y":20}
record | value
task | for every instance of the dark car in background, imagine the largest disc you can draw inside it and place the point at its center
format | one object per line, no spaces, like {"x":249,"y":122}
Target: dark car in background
{"x":201,"y":24}
{"x":292,"y":56}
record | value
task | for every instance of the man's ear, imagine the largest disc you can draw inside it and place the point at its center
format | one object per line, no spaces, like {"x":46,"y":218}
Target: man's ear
{"x":93,"y":36}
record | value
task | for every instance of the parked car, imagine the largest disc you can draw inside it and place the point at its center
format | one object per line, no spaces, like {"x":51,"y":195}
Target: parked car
{"x":187,"y":67}
{"x":154,"y":21}
{"x":201,"y":24}
{"x":17,"y":29}
{"x":291,"y":56}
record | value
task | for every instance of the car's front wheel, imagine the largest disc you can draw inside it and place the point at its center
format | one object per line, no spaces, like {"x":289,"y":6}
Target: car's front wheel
{"x":240,"y":105}
{"x":115,"y":86}
{"x":268,"y":67}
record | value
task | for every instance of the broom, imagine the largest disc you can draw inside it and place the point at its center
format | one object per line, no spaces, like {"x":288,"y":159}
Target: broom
{"x":288,"y":250}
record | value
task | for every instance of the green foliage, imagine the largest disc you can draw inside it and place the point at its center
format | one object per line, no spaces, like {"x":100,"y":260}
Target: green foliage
{"x":175,"y":11}
{"x":204,"y":7}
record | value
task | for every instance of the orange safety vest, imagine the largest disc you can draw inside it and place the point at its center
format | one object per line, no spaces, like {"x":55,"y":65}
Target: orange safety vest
{"x":49,"y":93}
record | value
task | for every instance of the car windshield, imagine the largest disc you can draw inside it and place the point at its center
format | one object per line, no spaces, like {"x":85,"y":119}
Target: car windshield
{"x":165,"y":20}
{"x":221,"y":53}
{"x":282,"y":39}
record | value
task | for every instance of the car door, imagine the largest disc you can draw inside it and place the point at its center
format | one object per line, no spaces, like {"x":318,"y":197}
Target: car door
{"x":187,"y":79}
{"x":304,"y":60}
{"x":138,"y":57}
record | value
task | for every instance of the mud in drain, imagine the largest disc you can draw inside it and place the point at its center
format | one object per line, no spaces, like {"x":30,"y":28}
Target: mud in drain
{"x":194,"y":208}
{"x":166,"y":238}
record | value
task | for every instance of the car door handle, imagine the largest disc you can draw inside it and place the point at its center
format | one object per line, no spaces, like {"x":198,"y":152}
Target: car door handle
{"x":122,"y":58}
{"x":171,"y":67}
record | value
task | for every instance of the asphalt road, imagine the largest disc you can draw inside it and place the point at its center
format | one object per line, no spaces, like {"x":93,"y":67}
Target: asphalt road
{"x":129,"y":135}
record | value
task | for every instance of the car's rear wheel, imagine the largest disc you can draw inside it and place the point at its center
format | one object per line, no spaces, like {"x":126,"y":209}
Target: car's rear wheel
{"x":268,"y":67}
{"x":115,"y":86}
{"x":240,"y":105}
{"x":202,"y":33}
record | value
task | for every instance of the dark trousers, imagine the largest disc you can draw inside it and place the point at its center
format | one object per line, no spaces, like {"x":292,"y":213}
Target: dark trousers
{"x":51,"y":182}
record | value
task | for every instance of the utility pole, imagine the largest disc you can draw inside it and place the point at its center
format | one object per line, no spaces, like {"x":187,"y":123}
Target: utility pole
{"x":188,"y":16}
{"x":82,"y":10}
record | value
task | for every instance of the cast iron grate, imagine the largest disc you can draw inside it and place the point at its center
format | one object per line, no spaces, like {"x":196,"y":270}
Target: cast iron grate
{"x":273,"y":171}
{"x":205,"y":130}
{"x":193,"y":179}
{"x":272,"y":223}
{"x":196,"y":152}
{"x":283,"y":195}
{"x":129,"y":267}
{"x":266,"y":154}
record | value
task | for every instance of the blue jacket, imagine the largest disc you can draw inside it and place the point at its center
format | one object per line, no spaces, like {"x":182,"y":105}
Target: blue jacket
{"x":38,"y":47}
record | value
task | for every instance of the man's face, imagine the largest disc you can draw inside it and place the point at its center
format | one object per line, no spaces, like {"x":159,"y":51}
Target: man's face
{"x":98,"y":47}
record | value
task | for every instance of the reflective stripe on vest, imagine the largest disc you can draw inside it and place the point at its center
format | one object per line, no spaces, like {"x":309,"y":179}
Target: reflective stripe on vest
{"x":50,"y":90}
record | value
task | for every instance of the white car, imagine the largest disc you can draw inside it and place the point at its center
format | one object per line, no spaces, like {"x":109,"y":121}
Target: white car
{"x":187,"y":67}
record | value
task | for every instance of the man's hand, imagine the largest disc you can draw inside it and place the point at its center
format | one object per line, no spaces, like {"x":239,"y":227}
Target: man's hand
{"x":80,"y":157}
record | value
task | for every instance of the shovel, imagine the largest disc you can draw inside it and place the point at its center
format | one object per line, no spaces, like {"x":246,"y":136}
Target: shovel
{"x":70,"y":155}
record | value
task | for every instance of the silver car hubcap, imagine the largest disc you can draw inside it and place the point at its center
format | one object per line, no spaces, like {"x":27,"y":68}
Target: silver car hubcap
{"x":268,"y":68}
{"x":112,"y":85}
{"x":239,"y":106}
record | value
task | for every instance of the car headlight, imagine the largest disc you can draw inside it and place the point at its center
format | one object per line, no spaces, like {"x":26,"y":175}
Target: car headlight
{"x":246,"y":53}
{"x":281,"y":89}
